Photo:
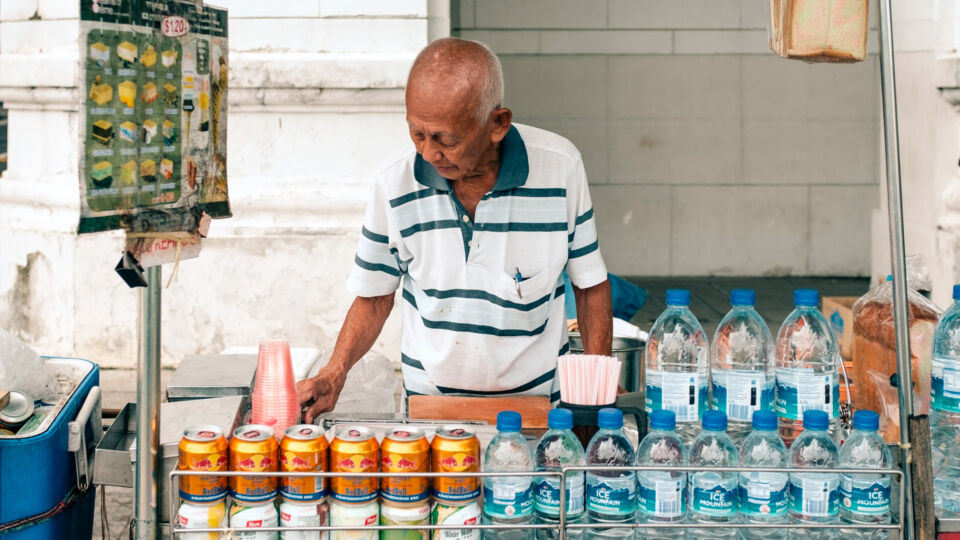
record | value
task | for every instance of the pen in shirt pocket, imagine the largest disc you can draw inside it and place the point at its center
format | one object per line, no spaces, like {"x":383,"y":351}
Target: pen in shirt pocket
{"x":517,"y":278}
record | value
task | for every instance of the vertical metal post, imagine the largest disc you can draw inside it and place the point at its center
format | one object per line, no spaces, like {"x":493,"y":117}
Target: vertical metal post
{"x":891,"y":141}
{"x":148,"y":409}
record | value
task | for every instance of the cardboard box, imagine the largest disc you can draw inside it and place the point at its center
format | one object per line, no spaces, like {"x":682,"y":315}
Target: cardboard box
{"x":839,"y":311}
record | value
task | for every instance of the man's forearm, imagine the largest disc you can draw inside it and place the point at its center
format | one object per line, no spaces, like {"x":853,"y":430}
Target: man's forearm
{"x":362,"y":325}
{"x":595,"y":318}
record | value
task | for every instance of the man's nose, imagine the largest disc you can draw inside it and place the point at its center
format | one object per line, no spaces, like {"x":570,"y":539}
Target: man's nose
{"x":431,"y":151}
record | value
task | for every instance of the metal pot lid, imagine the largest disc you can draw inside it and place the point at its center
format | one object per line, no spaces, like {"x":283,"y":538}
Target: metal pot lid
{"x":19,"y":409}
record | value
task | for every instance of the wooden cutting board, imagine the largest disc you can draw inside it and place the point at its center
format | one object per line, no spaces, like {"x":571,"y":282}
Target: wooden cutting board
{"x":533,"y":409}
{"x":4,"y":398}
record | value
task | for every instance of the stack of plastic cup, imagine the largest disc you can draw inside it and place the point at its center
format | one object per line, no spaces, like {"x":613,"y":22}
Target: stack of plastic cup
{"x":274,"y":394}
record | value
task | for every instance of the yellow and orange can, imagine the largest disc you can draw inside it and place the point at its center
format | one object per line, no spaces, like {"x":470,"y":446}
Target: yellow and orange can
{"x":303,"y":449}
{"x":354,"y":449}
{"x":203,"y":448}
{"x":405,"y":450}
{"x":253,"y":448}
{"x":455,"y":449}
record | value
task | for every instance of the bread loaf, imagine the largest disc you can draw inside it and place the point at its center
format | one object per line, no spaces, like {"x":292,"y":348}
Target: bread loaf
{"x":819,"y":30}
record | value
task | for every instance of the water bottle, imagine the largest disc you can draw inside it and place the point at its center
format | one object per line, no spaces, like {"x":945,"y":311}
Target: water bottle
{"x":865,"y":498}
{"x":508,"y":499}
{"x":741,"y":366}
{"x":763,"y":495}
{"x":559,"y":448}
{"x":945,"y":368}
{"x":678,"y":365}
{"x":611,"y":496}
{"x":808,"y":358}
{"x":946,"y":485}
{"x":661,"y":495}
{"x":814,"y":497}
{"x":713,"y":495}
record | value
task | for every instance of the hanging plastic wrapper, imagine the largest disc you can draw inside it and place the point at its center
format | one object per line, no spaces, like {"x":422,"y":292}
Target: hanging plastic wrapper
{"x":819,"y":30}
{"x":874,"y":348}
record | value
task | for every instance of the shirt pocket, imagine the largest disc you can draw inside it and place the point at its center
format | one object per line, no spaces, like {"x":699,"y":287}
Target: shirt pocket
{"x":525,"y":312}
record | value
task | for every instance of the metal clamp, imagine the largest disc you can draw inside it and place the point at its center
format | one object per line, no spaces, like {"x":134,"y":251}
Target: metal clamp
{"x":77,"y":443}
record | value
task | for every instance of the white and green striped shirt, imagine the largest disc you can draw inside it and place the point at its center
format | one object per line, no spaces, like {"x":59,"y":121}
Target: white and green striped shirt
{"x":465,"y":328}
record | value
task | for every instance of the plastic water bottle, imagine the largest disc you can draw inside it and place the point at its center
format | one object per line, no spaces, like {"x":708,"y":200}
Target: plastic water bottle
{"x":713,"y":495}
{"x":945,"y":369}
{"x":946,"y":485}
{"x":865,"y":498}
{"x":509,"y":499}
{"x":763,"y":495}
{"x":678,"y":365}
{"x":661,"y":495}
{"x":611,"y":496}
{"x":742,"y":366}
{"x":814,"y":497}
{"x":559,"y":448}
{"x":808,"y":377}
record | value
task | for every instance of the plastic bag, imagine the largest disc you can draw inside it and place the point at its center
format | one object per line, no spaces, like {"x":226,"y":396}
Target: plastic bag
{"x":819,"y":30}
{"x":888,"y":397}
{"x":874,"y":346}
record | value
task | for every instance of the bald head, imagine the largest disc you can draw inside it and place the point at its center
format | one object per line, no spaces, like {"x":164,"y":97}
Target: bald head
{"x":469,"y":70}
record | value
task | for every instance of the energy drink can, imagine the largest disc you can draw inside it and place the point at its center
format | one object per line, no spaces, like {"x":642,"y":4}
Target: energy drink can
{"x":451,"y":514}
{"x":405,"y":450}
{"x":197,"y":516}
{"x":405,"y":515}
{"x":298,"y":514}
{"x":203,"y":448}
{"x":17,"y":411}
{"x":303,"y":449}
{"x":353,"y":450}
{"x":253,"y":449}
{"x":455,"y":449}
{"x":254,"y":517}
{"x":354,"y":515}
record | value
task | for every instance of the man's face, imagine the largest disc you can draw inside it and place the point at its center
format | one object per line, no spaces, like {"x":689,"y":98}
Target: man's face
{"x":445,"y":130}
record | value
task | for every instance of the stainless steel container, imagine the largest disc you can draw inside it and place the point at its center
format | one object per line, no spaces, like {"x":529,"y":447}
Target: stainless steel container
{"x":630,"y":353}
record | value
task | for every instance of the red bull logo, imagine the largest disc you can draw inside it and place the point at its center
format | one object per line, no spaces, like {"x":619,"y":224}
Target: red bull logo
{"x":458,"y":462}
{"x":356,"y":463}
{"x":255,"y":463}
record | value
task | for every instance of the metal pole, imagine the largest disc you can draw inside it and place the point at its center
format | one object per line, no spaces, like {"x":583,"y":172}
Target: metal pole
{"x":891,"y":141}
{"x":148,"y":409}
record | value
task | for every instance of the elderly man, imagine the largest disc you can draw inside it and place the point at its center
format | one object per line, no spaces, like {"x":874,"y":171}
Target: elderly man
{"x":478,"y":226}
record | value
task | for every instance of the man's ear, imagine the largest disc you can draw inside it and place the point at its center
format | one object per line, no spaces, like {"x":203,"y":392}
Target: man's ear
{"x":502,"y":119}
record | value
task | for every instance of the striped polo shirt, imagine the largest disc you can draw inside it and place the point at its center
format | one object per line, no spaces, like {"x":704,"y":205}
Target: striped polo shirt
{"x":466,"y":328}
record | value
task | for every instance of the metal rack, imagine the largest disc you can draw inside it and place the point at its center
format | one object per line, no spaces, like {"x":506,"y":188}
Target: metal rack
{"x":561,"y":526}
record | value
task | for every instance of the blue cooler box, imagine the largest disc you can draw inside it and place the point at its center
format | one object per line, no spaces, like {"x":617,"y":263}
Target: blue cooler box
{"x":46,"y":487}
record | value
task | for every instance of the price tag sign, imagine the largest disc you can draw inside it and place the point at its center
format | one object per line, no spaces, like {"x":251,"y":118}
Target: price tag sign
{"x":174,"y":26}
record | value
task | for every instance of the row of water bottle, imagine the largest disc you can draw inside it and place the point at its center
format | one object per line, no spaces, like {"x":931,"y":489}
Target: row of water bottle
{"x":610,"y":497}
{"x":746,"y":370}
{"x":945,"y":411}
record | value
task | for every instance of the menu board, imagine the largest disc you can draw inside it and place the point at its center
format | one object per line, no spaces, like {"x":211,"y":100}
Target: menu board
{"x":153,"y":154}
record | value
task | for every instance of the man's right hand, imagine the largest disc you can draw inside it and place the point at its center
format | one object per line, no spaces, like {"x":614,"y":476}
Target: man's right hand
{"x":320,"y":392}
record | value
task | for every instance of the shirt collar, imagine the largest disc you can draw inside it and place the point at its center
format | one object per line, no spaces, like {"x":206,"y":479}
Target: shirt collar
{"x":514,"y":166}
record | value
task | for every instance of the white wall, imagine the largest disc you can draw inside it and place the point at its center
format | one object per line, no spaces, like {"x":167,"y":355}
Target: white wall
{"x":706,"y":153}
{"x":316,"y":105}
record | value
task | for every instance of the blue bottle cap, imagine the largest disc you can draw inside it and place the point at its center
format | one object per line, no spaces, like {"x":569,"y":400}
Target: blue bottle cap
{"x":815,"y":420}
{"x":889,"y":277}
{"x":663,"y":419}
{"x":764,"y":420}
{"x":743,"y":297}
{"x":866,"y":420}
{"x":678,"y":297}
{"x":610,"y":418}
{"x":714,"y":421}
{"x":806,"y":297}
{"x":508,"y":421}
{"x":560,"y":419}
{"x":956,"y":292}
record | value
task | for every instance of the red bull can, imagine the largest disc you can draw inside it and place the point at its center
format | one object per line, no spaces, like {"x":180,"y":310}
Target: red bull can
{"x":354,"y":515}
{"x":253,"y":449}
{"x":405,"y":515}
{"x":303,"y":449}
{"x":254,"y":517}
{"x":450,"y":514}
{"x":298,"y":514}
{"x":455,"y":449}
{"x":353,"y":450}
{"x":405,"y":450}
{"x":196,"y":516}
{"x":203,"y":448}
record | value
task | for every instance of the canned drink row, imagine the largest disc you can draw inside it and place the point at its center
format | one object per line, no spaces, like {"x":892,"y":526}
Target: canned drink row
{"x":354,"y":449}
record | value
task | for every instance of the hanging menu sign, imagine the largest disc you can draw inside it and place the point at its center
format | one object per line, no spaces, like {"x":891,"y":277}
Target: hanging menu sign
{"x":153,"y":155}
